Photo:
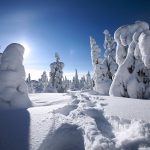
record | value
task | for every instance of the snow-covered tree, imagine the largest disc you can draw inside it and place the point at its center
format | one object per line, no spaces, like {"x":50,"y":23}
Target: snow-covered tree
{"x":29,"y":84}
{"x":95,"y":52}
{"x":13,"y":89}
{"x":104,"y":67}
{"x":66,"y":84}
{"x":75,"y":82}
{"x":101,"y":80}
{"x":82,"y":82}
{"x":89,"y":82}
{"x":110,"y":54}
{"x":56,"y":76}
{"x":44,"y":81}
{"x":133,"y":57}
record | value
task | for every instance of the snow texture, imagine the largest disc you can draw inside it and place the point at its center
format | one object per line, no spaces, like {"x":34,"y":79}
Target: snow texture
{"x":133,"y":75}
{"x":78,"y":120}
{"x":13,"y":89}
{"x":85,"y":125}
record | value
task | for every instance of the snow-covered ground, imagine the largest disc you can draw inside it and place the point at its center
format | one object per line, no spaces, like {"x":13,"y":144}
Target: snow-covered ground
{"x":77,"y":121}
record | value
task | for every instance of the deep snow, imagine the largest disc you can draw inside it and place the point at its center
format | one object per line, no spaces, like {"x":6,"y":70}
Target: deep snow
{"x":78,"y":121}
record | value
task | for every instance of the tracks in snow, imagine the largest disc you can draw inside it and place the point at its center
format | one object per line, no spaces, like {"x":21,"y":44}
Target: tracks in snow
{"x":83,"y":125}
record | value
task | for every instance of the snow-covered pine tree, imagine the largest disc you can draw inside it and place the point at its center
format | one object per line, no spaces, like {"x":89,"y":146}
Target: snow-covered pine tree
{"x":110,"y":54}
{"x":77,"y":85}
{"x":44,"y":81}
{"x":101,"y":81}
{"x":29,"y":84}
{"x":82,"y":82}
{"x":56,"y":75}
{"x":75,"y":82}
{"x":132,"y":78}
{"x":89,"y":82}
{"x":66,"y":84}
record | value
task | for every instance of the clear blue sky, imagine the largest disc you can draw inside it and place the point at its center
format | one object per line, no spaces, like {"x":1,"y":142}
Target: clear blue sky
{"x":47,"y":26}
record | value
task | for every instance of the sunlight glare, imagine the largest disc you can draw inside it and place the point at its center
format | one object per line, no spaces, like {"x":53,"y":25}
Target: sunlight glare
{"x":27,"y":49}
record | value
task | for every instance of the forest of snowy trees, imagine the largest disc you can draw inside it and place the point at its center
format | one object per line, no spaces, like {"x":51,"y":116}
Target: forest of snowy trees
{"x":123,"y":70}
{"x":56,"y":82}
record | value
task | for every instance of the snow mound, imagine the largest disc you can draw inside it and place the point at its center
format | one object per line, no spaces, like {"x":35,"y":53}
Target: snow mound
{"x":13,"y":89}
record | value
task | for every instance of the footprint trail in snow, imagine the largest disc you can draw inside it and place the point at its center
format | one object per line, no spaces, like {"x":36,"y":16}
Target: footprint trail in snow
{"x":83,"y":125}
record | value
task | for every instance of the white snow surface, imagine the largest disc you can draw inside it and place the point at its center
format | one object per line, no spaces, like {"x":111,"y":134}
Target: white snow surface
{"x":84,"y":121}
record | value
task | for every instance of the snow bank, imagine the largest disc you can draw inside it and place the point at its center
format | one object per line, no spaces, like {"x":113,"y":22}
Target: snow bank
{"x":13,"y":90}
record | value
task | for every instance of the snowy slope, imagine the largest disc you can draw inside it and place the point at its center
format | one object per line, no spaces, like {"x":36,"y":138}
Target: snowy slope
{"x":79,"y":121}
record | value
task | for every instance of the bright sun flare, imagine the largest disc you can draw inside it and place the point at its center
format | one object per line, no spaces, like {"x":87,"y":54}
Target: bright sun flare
{"x":27,"y":49}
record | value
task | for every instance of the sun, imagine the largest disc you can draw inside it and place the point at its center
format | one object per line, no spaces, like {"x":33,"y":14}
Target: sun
{"x":27,"y":49}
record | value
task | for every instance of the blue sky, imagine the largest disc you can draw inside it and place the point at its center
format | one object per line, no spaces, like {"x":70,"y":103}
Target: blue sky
{"x":47,"y":26}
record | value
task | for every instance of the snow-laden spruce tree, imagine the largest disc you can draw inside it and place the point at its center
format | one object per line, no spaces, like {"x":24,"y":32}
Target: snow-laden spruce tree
{"x":13,"y":89}
{"x":133,"y":57}
{"x":56,"y":76}
{"x":66,"y":84}
{"x":75,"y":82}
{"x":82,"y":82}
{"x":29,"y":84}
{"x":101,"y":79}
{"x":110,"y":54}
{"x":43,"y":82}
{"x":89,"y":82}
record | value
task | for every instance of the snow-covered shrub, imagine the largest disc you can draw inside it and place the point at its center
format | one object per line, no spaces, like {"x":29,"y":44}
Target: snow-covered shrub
{"x":56,"y":76}
{"x":133,"y":57}
{"x":13,"y":89}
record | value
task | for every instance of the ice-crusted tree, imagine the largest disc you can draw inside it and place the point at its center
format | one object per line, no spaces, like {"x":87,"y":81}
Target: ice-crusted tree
{"x":132,"y":78}
{"x":110,"y":54}
{"x":89,"y":82}
{"x":66,"y":84}
{"x":56,"y":75}
{"x":100,"y":77}
{"x":95,"y":52}
{"x":13,"y":89}
{"x":82,"y":82}
{"x":75,"y":82}
{"x":29,"y":84}
{"x":44,"y":81}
